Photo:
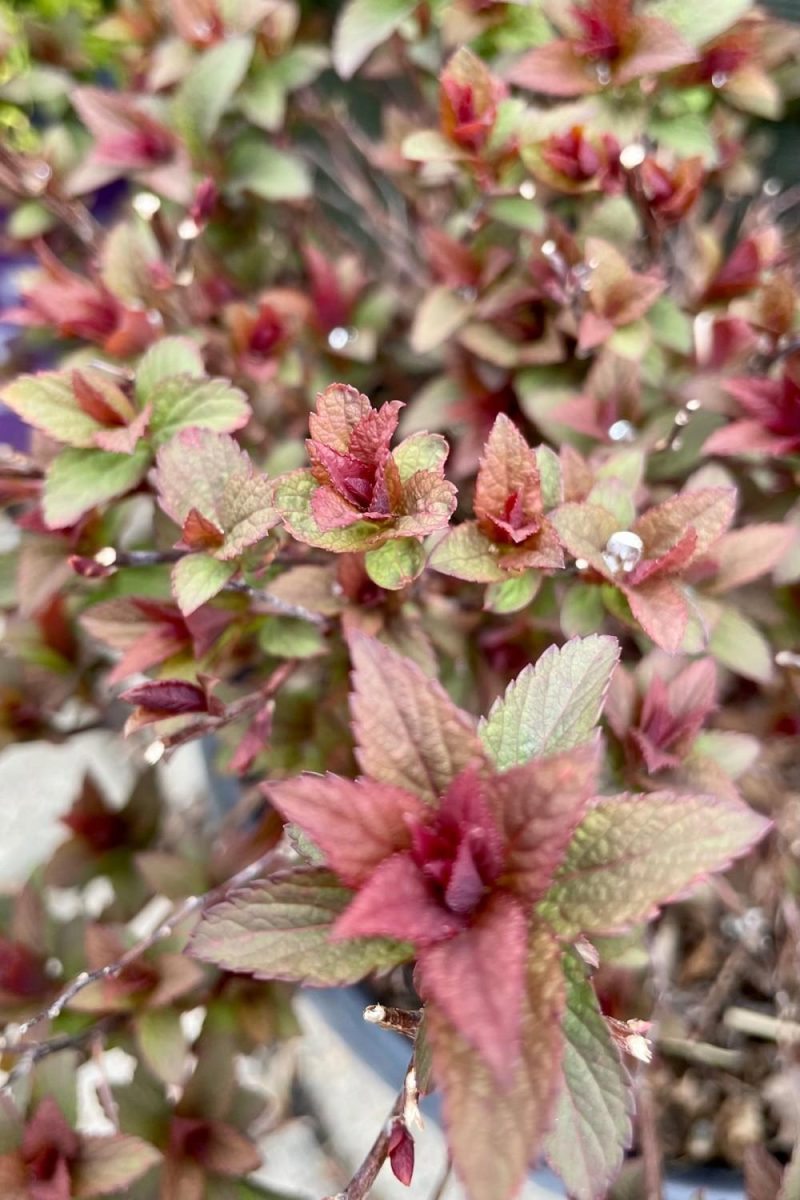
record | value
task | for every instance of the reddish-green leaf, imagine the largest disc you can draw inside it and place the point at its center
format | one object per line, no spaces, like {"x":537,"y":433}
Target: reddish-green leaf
{"x":467,"y":553}
{"x":197,"y":578}
{"x":280,"y":929}
{"x":632,"y":854}
{"x":483,"y":1115}
{"x":553,"y":705}
{"x":409,"y":733}
{"x":79,"y":480}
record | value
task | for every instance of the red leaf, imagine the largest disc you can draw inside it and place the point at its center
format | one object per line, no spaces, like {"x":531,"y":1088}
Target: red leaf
{"x":357,"y":824}
{"x":398,"y":902}
{"x":198,"y":533}
{"x":168,"y":697}
{"x":92,"y":401}
{"x":662,"y":610}
{"x":554,"y":70}
{"x":401,"y":1152}
{"x":477,"y":979}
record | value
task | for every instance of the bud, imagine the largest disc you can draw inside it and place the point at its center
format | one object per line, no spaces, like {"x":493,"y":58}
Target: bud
{"x":401,"y":1152}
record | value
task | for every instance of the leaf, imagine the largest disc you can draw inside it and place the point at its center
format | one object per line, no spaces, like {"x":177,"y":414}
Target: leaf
{"x":744,"y":554}
{"x":437,"y":318}
{"x":197,"y":578}
{"x":553,"y":705}
{"x":183,"y":402}
{"x":477,"y":979}
{"x":267,"y":172}
{"x":480,"y":1114}
{"x":292,"y":497}
{"x":280,"y":929}
{"x":79,"y":480}
{"x":166,"y":358}
{"x":162,"y":1044}
{"x":208,"y":88}
{"x":47,"y":401}
{"x":632,"y":854}
{"x":420,"y":452}
{"x":429,"y":145}
{"x":512,"y":595}
{"x":467,"y":553}
{"x":395,"y":564}
{"x":290,"y":637}
{"x":739,"y":645}
{"x":361,"y":26}
{"x":593,"y":1114}
{"x":208,"y":471}
{"x":661,"y":608}
{"x":408,"y":731}
{"x":581,"y":610}
{"x":356,"y":823}
{"x":697,"y":23}
{"x":110,"y":1164}
{"x":130,"y":252}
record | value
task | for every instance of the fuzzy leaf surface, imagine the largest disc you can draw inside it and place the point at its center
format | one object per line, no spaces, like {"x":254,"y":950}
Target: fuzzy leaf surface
{"x":552,"y":705}
{"x":81,"y":479}
{"x":280,"y":929}
{"x":197,"y":578}
{"x":631,"y":854}
{"x":183,"y":402}
{"x":408,"y":731}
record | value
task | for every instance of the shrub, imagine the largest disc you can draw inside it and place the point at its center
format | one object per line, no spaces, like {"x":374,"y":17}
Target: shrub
{"x":514,"y":275}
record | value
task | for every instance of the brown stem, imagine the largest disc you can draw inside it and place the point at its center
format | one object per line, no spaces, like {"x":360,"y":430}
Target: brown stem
{"x":18,"y":173}
{"x":361,"y":1183}
{"x":402,"y":1020}
{"x":651,"y":1146}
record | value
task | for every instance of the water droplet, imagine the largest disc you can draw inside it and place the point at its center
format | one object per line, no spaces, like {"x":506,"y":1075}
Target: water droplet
{"x":581,"y":564}
{"x":693,"y":405}
{"x":185,"y":276}
{"x":772,"y":187}
{"x":623,"y":552}
{"x":549,"y":248}
{"x":719,"y":79}
{"x":338,"y":337}
{"x":682,"y":418}
{"x":468,"y":293}
{"x":188,"y":229}
{"x":603,"y":72}
{"x":677,"y":444}
{"x":786,"y":658}
{"x":42,"y":170}
{"x":622,"y":431}
{"x":154,"y":318}
{"x":146,"y":205}
{"x":54,"y":968}
{"x":54,"y":1011}
{"x":632,"y":156}
{"x":527,"y":189}
{"x":106,"y":557}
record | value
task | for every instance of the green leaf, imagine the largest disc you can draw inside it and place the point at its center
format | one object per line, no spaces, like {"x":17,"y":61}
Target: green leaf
{"x":292,"y":497}
{"x":420,"y":452}
{"x":263,"y":98}
{"x":81,"y":479}
{"x":208,"y":88}
{"x":632,"y":854}
{"x":493,"y":1131}
{"x":183,"y":402}
{"x":550,"y":480}
{"x":512,"y":594}
{"x":671,"y":325}
{"x":166,"y":358}
{"x":162,"y":1043}
{"x":593,"y":1115}
{"x":699,"y":23}
{"x":280,"y":929}
{"x":437,"y":318}
{"x":467,"y":553}
{"x":687,"y":134}
{"x":581,"y":611}
{"x":553,"y":705}
{"x":395,"y":564}
{"x":29,"y":220}
{"x":290,"y":637}
{"x":197,"y":578}
{"x":428,"y":145}
{"x":48,"y":402}
{"x":361,"y":26}
{"x":267,"y":172}
{"x":129,"y":251}
{"x":110,"y":1164}
{"x":739,"y":645}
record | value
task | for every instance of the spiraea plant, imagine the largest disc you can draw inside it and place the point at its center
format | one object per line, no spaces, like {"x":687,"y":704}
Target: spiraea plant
{"x":401,"y":403}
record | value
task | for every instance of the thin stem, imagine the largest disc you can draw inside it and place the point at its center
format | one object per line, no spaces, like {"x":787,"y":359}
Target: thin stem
{"x":361,"y":1183}
{"x":30,"y":180}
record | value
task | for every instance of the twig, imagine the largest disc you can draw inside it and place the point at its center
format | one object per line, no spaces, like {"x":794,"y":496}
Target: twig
{"x":30,"y":180}
{"x":104,"y":1093}
{"x":276,"y":604}
{"x":761,"y":1025}
{"x":651,"y":1148}
{"x":361,"y":1183}
{"x":13,"y":1041}
{"x":401,"y":1020}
